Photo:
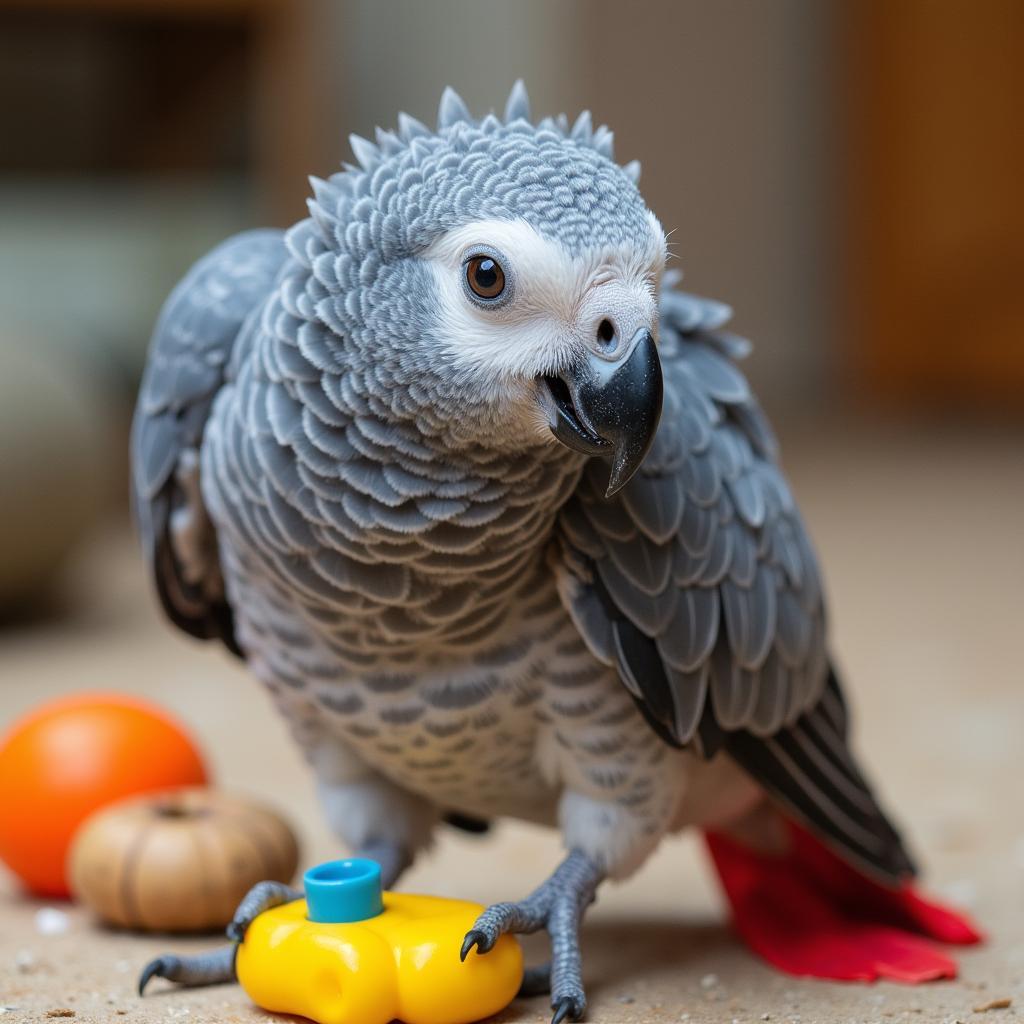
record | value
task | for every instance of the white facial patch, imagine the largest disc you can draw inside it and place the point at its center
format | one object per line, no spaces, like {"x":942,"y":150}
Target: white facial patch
{"x":557,"y":303}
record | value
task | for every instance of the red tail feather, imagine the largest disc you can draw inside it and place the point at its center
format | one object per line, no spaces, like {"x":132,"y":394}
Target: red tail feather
{"x":809,"y":913}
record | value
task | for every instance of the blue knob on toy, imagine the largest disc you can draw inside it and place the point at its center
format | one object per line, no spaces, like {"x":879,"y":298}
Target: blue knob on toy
{"x":342,"y":891}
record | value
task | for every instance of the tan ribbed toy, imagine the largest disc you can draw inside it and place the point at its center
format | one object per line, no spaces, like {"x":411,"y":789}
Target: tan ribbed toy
{"x":179,"y":861}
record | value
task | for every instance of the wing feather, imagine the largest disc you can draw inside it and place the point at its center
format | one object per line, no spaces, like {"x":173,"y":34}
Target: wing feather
{"x":656,"y":506}
{"x":192,"y":346}
{"x":692,"y":632}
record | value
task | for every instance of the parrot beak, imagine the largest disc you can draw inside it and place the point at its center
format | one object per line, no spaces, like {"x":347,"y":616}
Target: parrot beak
{"x":610,"y":405}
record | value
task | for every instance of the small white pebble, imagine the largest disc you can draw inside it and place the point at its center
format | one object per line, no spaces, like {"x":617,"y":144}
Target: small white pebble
{"x":684,"y":1016}
{"x":709,"y":981}
{"x":122,"y":966}
{"x":626,"y":999}
{"x":8,"y":1009}
{"x":24,"y":961}
{"x":51,"y":921}
{"x":766,"y":1016}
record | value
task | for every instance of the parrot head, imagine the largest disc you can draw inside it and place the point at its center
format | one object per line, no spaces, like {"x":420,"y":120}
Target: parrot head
{"x":494,"y":282}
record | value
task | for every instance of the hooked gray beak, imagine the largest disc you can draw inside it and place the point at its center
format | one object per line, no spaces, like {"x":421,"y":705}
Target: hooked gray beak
{"x":610,"y":405}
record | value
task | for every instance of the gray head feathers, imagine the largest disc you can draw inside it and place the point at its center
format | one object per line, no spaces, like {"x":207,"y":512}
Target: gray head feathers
{"x":452,"y":112}
{"x":411,"y":185}
{"x":409,"y":128}
{"x":632,"y":170}
{"x":365,"y":152}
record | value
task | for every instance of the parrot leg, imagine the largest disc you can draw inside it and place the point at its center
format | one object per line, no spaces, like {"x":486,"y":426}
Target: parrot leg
{"x":262,"y":896}
{"x":393,"y":860}
{"x":558,"y":906}
{"x":219,"y":966}
{"x":808,"y":913}
{"x":536,"y":981}
{"x":214,"y":968}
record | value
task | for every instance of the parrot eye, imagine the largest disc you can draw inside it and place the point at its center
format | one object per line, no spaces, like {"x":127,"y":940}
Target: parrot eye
{"x":484,"y":276}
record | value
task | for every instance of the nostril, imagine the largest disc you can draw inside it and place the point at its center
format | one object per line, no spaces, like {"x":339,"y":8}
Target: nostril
{"x":606,"y":332}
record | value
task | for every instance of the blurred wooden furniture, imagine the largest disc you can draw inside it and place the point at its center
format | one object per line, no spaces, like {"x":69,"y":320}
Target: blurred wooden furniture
{"x":934,"y":164}
{"x":169,"y":86}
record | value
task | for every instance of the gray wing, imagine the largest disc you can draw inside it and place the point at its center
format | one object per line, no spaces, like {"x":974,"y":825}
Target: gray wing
{"x":698,"y":582}
{"x":188,"y":359}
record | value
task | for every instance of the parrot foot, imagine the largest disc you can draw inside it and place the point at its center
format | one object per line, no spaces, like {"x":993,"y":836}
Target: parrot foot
{"x":262,"y":896}
{"x":393,"y":860}
{"x":214,"y":968}
{"x":557,"y":906}
{"x":219,"y":966}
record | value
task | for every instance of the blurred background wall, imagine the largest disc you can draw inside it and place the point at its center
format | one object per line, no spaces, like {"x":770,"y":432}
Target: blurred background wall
{"x":845,"y":174}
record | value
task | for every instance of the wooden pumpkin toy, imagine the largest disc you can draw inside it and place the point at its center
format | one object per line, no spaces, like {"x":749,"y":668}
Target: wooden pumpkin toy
{"x":178,"y":861}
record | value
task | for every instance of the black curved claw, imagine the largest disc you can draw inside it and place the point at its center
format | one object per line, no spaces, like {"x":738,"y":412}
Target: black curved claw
{"x":236,"y":931}
{"x":157,"y":968}
{"x":477,"y":938}
{"x":566,"y":1007}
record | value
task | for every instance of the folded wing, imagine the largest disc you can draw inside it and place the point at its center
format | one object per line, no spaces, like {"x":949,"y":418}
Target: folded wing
{"x":698,"y":582}
{"x":199,"y":327}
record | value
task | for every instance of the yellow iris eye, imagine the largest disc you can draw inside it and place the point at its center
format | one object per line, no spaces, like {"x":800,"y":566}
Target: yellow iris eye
{"x":485,"y":277}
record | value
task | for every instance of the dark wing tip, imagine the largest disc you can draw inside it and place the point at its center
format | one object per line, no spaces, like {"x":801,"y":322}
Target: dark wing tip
{"x":809,"y":770}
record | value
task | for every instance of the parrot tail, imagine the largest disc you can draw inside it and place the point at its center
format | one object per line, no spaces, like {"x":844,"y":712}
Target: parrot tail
{"x":809,"y":913}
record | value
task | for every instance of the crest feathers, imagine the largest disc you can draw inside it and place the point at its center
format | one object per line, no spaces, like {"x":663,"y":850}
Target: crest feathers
{"x":604,"y":142}
{"x":452,"y":110}
{"x":409,"y":128}
{"x":582,"y":130}
{"x":518,"y":104}
{"x":364,"y":151}
{"x":419,"y":139}
{"x":388,"y":142}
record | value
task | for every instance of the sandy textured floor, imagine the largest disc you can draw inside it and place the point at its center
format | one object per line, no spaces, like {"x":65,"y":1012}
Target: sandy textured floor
{"x":923,"y":542}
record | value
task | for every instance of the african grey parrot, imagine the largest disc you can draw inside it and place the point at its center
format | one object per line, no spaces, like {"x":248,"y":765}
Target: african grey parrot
{"x":485,"y":503}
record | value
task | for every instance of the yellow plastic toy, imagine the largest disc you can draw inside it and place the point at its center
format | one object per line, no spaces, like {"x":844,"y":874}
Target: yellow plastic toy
{"x":351,"y":954}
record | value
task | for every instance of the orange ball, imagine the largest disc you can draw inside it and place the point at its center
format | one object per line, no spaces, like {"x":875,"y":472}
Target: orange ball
{"x":72,"y":756}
